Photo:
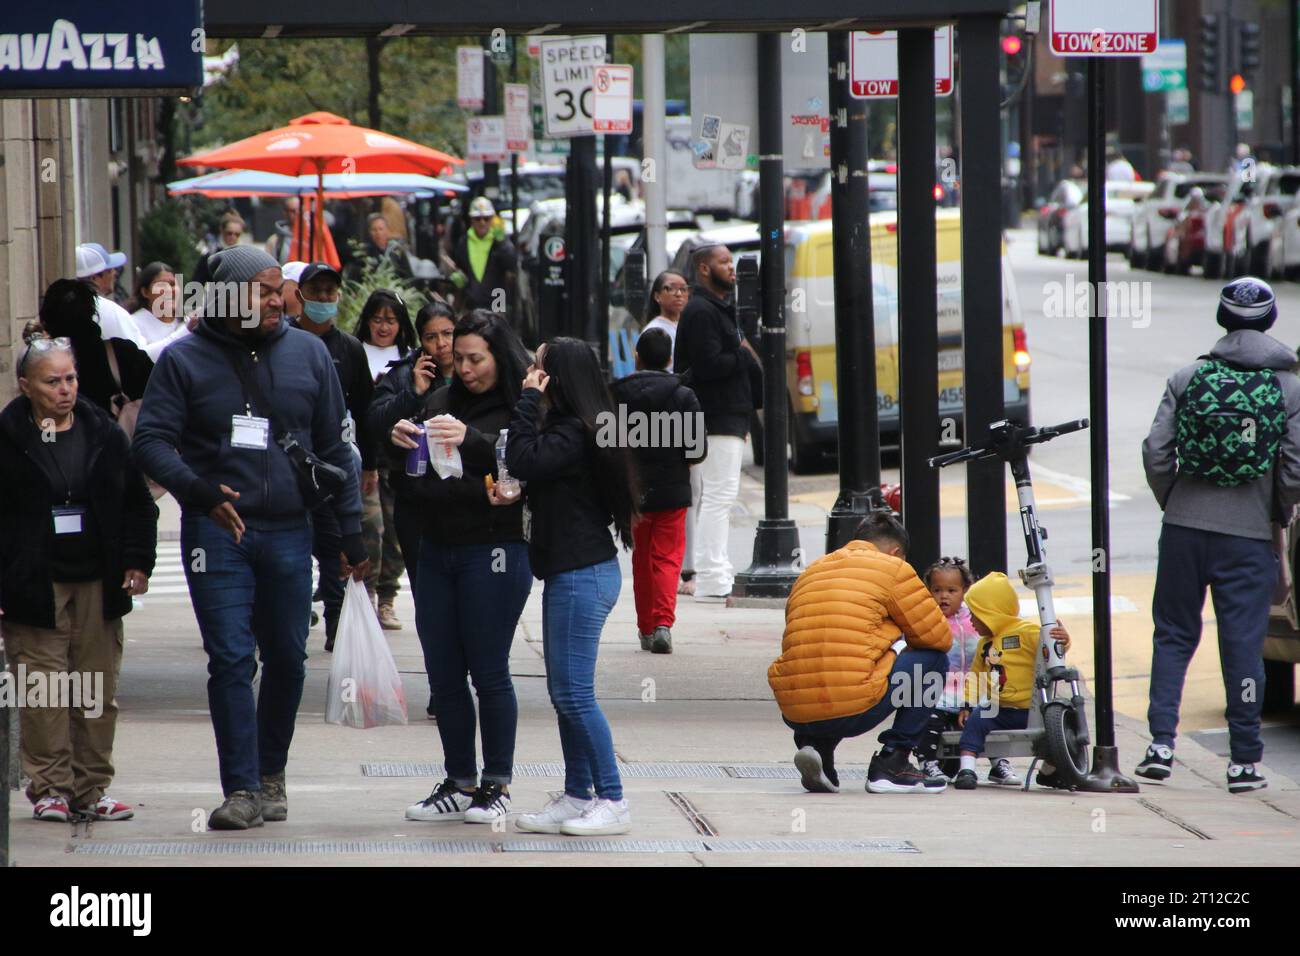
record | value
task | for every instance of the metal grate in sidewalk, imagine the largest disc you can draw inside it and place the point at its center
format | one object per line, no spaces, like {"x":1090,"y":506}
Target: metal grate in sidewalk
{"x":301,"y":848}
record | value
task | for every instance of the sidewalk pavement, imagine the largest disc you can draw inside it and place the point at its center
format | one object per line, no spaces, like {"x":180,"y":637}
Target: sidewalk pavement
{"x":706,"y":767}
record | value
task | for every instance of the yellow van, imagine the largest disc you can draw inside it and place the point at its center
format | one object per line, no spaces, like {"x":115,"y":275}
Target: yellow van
{"x":810,"y":325}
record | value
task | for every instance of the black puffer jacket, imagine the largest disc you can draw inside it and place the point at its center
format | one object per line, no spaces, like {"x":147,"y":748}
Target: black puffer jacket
{"x":709,"y":358}
{"x":663,"y":472}
{"x":456,"y":510}
{"x":120,"y":505}
{"x":570,"y":520}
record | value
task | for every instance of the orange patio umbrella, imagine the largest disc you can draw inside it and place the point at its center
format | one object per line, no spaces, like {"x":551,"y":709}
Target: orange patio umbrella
{"x":323,"y":143}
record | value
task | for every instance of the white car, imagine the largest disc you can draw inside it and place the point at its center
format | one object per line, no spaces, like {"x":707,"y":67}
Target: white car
{"x":1265,"y":215}
{"x":1226,"y":250}
{"x":1154,"y":216}
{"x":1121,"y":202}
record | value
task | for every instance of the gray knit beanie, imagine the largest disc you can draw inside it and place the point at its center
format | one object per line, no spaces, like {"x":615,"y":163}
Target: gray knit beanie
{"x":240,"y":263}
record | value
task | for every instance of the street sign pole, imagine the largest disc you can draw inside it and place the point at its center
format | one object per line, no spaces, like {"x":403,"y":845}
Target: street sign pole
{"x":773,"y":570}
{"x":602,"y":294}
{"x":1105,"y":776}
{"x":855,"y":343}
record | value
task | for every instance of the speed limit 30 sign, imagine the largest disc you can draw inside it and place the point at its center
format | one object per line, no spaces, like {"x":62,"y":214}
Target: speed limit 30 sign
{"x":567,"y":66}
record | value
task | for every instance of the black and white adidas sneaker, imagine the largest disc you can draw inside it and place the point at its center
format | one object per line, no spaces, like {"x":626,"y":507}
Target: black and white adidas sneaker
{"x":1243,"y":777}
{"x":447,"y":802}
{"x":1158,"y":764}
{"x":491,"y":802}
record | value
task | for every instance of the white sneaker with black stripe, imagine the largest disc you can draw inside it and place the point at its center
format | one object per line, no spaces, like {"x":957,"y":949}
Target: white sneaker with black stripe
{"x":447,"y":802}
{"x":491,"y":802}
{"x":1158,"y":764}
{"x":1243,"y":777}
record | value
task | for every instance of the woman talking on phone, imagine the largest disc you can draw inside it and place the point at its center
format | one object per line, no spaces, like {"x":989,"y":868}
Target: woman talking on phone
{"x":473,"y":576}
{"x":576,"y":488}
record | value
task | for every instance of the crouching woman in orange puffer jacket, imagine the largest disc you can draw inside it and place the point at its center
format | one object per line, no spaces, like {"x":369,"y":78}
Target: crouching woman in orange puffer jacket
{"x":863,"y":639}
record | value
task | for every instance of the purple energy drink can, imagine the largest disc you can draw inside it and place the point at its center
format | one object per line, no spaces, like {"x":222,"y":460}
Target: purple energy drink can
{"x":417,"y":458}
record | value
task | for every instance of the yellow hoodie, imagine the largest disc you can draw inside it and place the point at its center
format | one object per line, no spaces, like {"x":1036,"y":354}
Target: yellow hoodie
{"x":1010,"y":652}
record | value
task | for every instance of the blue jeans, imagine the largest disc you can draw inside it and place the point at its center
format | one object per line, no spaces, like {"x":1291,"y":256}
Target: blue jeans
{"x":1240,"y":573}
{"x":575,"y":605}
{"x":467,"y":606}
{"x":910,"y":722}
{"x":250,"y":597}
{"x":978,"y":725}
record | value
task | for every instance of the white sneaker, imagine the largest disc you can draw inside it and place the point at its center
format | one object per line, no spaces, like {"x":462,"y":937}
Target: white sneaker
{"x":602,"y":818}
{"x":550,"y":817}
{"x":447,"y":802}
{"x":489,"y":803}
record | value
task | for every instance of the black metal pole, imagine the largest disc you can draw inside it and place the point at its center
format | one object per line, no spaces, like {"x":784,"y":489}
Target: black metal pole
{"x":7,"y":714}
{"x":918,"y":321}
{"x":602,"y":293}
{"x":580,"y":184}
{"x":491,"y":107}
{"x":1105,"y":775}
{"x":855,"y":338}
{"x":514,"y":167}
{"x":981,"y":284}
{"x":773,"y":571}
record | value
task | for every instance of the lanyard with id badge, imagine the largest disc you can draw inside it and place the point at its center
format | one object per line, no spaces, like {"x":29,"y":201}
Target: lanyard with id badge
{"x":68,"y":518}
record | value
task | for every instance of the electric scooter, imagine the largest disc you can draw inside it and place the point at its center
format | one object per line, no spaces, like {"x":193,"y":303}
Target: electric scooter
{"x":1058,"y":725}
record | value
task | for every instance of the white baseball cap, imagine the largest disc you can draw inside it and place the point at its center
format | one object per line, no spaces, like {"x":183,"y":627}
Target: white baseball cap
{"x":116,"y":260}
{"x":482,"y":206}
{"x":90,"y":262}
{"x":292,"y":271}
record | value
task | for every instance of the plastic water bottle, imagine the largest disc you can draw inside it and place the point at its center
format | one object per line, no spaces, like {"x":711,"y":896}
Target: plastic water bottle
{"x":507,"y":487}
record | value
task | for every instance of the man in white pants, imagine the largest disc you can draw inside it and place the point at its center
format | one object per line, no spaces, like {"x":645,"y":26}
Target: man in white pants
{"x":713,"y":358}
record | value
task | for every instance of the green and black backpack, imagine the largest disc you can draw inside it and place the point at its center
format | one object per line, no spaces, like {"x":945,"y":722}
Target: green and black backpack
{"x":1229,"y":423}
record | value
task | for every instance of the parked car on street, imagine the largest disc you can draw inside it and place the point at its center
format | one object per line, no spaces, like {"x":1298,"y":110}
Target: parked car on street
{"x":1067,"y":195}
{"x":1122,"y":198}
{"x":1185,"y":244}
{"x":1282,"y":641}
{"x":1226,"y":251}
{"x":1154,"y":216}
{"x":1266,"y":213}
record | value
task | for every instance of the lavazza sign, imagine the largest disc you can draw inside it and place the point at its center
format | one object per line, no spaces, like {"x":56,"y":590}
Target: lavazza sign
{"x":65,"y":47}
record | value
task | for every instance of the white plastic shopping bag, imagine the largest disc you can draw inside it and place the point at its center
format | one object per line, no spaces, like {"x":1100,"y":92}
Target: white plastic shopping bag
{"x":444,"y":456}
{"x":365,"y":689}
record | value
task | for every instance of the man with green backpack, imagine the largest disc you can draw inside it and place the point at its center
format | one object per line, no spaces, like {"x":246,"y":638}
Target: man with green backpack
{"x":1223,"y":459}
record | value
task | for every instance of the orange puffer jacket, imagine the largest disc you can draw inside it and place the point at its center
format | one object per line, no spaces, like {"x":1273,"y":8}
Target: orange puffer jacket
{"x":844,"y":612}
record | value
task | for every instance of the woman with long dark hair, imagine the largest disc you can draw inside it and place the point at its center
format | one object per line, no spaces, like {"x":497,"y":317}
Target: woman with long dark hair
{"x":68,"y":311}
{"x":386,"y":336}
{"x":577,"y":487}
{"x":473,"y":574}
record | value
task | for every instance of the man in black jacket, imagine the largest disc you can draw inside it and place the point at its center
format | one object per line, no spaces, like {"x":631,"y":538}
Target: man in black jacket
{"x":485,"y":262}
{"x":714,"y":359}
{"x":674,"y":439}
{"x":209,"y":432}
{"x":318,"y":295}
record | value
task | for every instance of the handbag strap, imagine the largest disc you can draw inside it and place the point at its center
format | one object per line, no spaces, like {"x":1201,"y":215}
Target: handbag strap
{"x":250,"y":386}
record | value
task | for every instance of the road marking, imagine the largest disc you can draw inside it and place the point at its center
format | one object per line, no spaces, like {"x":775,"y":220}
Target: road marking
{"x":1080,"y":486}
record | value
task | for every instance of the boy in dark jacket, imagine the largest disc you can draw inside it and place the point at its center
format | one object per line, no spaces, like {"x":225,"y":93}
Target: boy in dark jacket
{"x":652,"y":396}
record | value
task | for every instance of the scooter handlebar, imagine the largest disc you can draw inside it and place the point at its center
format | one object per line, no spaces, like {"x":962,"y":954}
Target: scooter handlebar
{"x":1048,"y":432}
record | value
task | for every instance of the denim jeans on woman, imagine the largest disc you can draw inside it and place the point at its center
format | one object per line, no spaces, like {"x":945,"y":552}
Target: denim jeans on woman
{"x":251,"y":598}
{"x":467,"y":605}
{"x":575,"y":605}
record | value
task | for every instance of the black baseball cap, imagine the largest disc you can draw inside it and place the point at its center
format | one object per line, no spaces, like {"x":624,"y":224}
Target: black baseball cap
{"x":319,"y":269}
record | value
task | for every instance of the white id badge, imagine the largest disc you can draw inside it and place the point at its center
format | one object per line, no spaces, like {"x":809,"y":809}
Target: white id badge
{"x":67,"y":520}
{"x":249,"y":431}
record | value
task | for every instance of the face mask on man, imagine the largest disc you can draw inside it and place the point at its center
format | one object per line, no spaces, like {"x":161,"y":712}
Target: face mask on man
{"x":320,"y":312}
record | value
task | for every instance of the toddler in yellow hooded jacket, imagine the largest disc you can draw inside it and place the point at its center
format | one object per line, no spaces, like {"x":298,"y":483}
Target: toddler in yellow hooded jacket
{"x":1000,"y":687}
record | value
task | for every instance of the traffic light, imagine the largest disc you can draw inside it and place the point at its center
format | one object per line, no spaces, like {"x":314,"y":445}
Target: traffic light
{"x":1211,"y":52}
{"x":1011,"y":44}
{"x":1248,"y":47}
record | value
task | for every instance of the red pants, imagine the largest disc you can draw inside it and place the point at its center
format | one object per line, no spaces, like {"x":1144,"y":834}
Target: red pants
{"x":658,"y":544}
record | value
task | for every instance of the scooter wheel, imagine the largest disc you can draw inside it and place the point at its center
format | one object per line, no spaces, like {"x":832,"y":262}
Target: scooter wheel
{"x":1065,"y":750}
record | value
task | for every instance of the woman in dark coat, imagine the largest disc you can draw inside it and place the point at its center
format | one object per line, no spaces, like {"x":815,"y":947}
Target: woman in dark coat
{"x":78,"y":530}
